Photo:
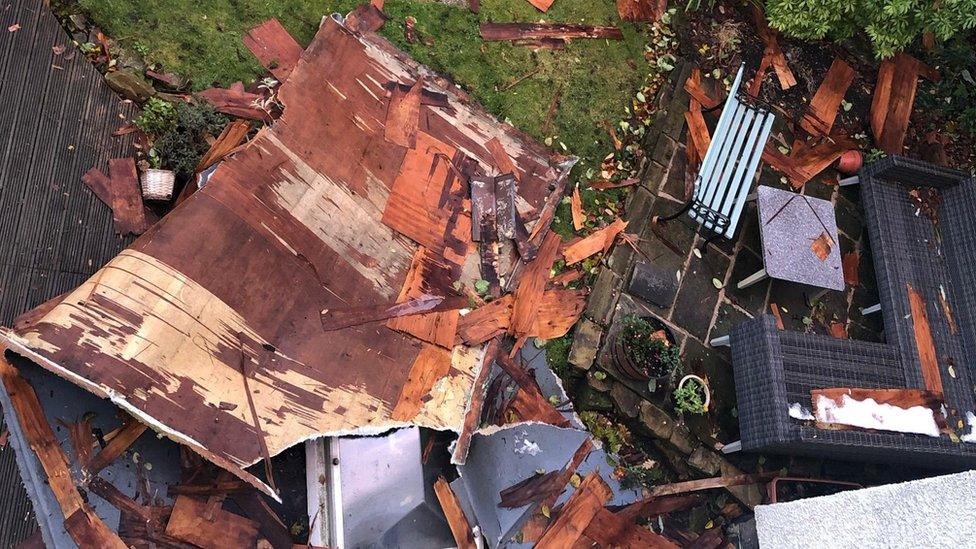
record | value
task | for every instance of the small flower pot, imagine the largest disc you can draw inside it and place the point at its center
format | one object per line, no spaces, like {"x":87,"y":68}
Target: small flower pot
{"x":850,"y":162}
{"x":703,"y":383}
{"x":158,"y":184}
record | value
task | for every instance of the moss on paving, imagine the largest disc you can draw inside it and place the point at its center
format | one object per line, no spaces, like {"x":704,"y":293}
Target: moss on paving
{"x":597,"y":78}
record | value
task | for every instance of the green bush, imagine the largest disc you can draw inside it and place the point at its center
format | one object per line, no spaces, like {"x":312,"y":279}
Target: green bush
{"x":182,"y":147}
{"x":951,"y":101}
{"x":157,"y":118}
{"x":891,"y":25}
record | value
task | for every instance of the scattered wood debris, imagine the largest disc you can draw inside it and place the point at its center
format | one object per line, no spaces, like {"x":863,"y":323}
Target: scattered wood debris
{"x":81,"y":522}
{"x":127,"y":207}
{"x":694,"y":88}
{"x":275,"y":49}
{"x":947,"y":311}
{"x":806,"y":160}
{"x":189,"y":522}
{"x":851,"y":262}
{"x":237,"y":103}
{"x":772,"y":55}
{"x":820,"y":114}
{"x":641,"y":10}
{"x":927,"y":356}
{"x":599,"y":240}
{"x":604,"y":184}
{"x":577,"y":210}
{"x":455,"y":516}
{"x":774,"y":309}
{"x":928,"y":201}
{"x":546,"y":31}
{"x":894,"y":97}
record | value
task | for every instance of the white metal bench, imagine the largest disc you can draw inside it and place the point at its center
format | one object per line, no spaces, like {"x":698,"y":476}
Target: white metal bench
{"x":729,"y":166}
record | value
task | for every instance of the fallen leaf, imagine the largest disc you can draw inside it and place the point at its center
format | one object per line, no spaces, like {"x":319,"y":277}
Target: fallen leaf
{"x":838,"y":330}
{"x":577,"y":209}
{"x":822,"y":245}
{"x":14,"y":28}
{"x":546,"y":512}
{"x":575,"y":480}
{"x":717,"y":283}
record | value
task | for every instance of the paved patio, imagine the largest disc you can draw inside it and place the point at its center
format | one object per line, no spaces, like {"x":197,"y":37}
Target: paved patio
{"x":695,"y":292}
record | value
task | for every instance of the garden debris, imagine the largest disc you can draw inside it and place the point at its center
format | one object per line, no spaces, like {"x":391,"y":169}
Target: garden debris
{"x":698,"y":136}
{"x":604,"y":184}
{"x":127,"y":208}
{"x":641,"y":10}
{"x":454,"y":514}
{"x":694,"y":88}
{"x":894,"y":97}
{"x":822,"y":245}
{"x":366,"y":18}
{"x":275,"y":49}
{"x":807,"y":159}
{"x":528,"y":404}
{"x":577,"y":209}
{"x":352,"y":250}
{"x":599,"y":240}
{"x":772,"y":55}
{"x":947,"y":311}
{"x":81,"y":522}
{"x":838,"y":330}
{"x":541,"y":5}
{"x":851,"y":262}
{"x":189,"y":522}
{"x":546,"y":31}
{"x":130,"y":431}
{"x":820,"y":114}
{"x":927,"y":356}
{"x":237,"y":102}
{"x":927,"y":201}
{"x":774,"y":309}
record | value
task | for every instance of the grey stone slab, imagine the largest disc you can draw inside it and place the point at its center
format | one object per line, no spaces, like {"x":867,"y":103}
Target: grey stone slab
{"x":789,"y":223}
{"x":697,"y":296}
{"x":586,"y":342}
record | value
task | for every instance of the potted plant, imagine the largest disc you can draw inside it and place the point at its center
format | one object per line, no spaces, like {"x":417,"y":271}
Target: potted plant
{"x":691,"y":395}
{"x":645,"y":350}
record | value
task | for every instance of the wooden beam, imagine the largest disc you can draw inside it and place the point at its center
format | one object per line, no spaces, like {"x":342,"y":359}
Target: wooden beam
{"x":822,"y":111}
{"x":455,"y":516}
{"x":225,"y":531}
{"x":588,"y":499}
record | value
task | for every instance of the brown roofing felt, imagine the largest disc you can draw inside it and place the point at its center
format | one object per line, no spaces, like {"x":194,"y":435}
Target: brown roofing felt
{"x":212,"y":317}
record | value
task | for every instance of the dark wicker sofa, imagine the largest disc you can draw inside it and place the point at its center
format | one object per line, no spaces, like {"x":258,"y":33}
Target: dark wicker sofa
{"x":774,"y":368}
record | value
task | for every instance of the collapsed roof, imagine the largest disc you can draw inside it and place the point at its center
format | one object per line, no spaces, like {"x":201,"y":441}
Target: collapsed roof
{"x":249,"y":319}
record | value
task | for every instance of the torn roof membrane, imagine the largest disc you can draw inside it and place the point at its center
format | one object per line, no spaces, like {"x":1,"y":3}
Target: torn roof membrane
{"x":320,"y":212}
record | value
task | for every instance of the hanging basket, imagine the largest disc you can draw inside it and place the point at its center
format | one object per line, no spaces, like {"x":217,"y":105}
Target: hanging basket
{"x":158,"y":184}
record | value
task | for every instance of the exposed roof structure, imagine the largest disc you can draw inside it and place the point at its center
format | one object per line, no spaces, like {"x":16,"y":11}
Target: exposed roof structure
{"x":216,"y":327}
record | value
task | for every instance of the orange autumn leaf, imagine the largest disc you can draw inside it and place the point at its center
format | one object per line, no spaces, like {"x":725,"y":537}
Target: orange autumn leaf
{"x":577,"y":208}
{"x":838,"y":330}
{"x":822,"y":245}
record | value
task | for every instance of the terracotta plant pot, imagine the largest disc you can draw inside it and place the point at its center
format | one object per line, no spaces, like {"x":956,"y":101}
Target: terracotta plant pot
{"x":628,"y":367}
{"x":850,"y":162}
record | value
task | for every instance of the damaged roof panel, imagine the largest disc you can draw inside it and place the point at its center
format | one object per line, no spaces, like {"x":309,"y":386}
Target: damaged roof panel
{"x":226,"y":292}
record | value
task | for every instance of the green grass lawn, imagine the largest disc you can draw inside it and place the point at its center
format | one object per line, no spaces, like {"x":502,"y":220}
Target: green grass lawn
{"x":201,"y":39}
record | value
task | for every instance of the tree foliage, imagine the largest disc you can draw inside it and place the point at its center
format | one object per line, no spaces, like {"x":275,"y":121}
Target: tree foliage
{"x":891,"y":25}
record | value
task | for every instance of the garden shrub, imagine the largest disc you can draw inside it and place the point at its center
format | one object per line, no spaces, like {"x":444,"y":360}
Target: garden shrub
{"x":891,"y":25}
{"x":182,"y":146}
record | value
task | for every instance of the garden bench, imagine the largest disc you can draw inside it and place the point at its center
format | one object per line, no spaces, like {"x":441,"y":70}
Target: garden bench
{"x":729,"y":165}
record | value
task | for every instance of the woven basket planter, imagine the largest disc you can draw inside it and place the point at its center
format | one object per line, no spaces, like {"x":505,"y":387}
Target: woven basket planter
{"x":158,"y":184}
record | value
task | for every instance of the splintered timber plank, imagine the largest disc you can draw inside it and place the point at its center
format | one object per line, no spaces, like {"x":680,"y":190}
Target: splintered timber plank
{"x":607,"y":529}
{"x":127,"y":208}
{"x":454,"y":515}
{"x":503,"y":161}
{"x":588,"y":499}
{"x":556,"y":312}
{"x":530,"y":405}
{"x":599,"y":240}
{"x":477,"y":403}
{"x":694,"y":88}
{"x":81,"y":522}
{"x":822,"y":111}
{"x":100,"y":184}
{"x":531,"y":287}
{"x":698,"y":136}
{"x":904,"y":85}
{"x":236,"y":103}
{"x":225,"y":531}
{"x":928,"y":359}
{"x":275,"y":49}
{"x":131,"y":431}
{"x":641,"y":10}
{"x":577,"y":209}
{"x":431,"y":364}
{"x":541,"y":31}
{"x":881,"y":97}
{"x":438,"y":328}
